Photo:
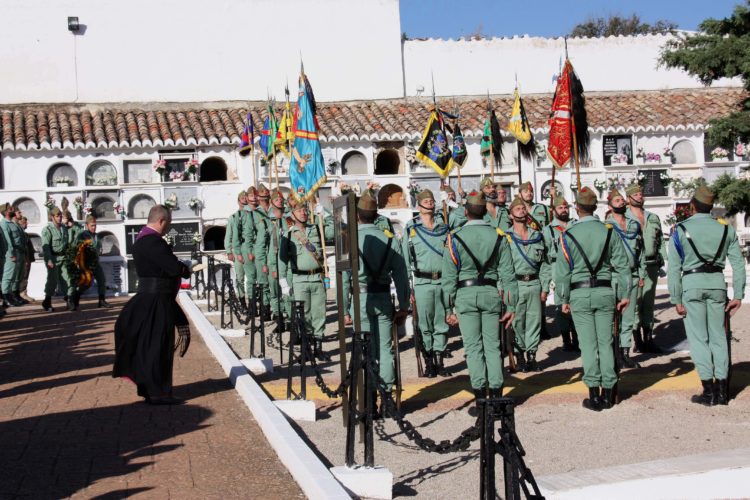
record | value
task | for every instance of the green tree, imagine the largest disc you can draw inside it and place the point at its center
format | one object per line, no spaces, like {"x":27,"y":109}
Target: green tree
{"x":618,"y":25}
{"x":732,"y":193}
{"x":721,"y":49}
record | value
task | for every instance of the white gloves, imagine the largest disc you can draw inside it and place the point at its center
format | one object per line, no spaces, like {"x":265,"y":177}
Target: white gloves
{"x":452,"y":204}
{"x":443,"y":196}
{"x":284,"y":286}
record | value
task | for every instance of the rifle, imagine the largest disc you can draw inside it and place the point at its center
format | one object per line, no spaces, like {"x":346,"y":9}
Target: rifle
{"x":728,"y":332}
{"x":418,"y":347}
{"x":616,"y":320}
{"x":506,"y":340}
{"x":396,"y":354}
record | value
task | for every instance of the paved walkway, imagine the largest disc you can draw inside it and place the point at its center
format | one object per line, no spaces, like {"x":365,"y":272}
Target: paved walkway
{"x":68,"y":429}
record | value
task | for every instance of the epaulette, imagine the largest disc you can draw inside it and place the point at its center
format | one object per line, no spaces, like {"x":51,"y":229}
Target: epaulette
{"x":387,"y":233}
{"x":721,"y":220}
{"x":500,"y":231}
{"x":608,"y":225}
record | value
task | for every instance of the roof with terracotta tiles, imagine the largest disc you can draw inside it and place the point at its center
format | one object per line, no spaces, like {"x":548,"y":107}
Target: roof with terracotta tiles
{"x":158,"y":125}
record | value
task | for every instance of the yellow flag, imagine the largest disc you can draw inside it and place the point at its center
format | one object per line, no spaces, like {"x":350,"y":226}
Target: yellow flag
{"x":284,"y":135}
{"x":518,"y":124}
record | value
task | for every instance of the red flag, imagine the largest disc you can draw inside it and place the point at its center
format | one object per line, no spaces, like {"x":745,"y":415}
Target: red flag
{"x":561,"y":126}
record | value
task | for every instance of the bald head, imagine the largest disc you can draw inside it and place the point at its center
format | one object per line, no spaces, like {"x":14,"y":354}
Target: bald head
{"x":158,"y":213}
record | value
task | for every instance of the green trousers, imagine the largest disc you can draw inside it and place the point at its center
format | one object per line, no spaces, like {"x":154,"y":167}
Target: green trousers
{"x":431,"y":316}
{"x":704,"y":325}
{"x":528,"y":322}
{"x":249,"y":270}
{"x":57,"y":275}
{"x":239,"y":277}
{"x":648,"y":297}
{"x":593,"y":311}
{"x":262,"y":279}
{"x":12,"y":274}
{"x":376,"y":312}
{"x":274,"y":295}
{"x":629,"y":321}
{"x":478,"y":310}
{"x":313,"y":294}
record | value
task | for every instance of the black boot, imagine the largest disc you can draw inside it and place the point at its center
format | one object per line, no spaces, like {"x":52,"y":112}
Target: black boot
{"x":707,"y":397}
{"x":20,"y":299}
{"x":47,"y":303}
{"x":544,"y":334}
{"x":626,"y":360}
{"x":496,"y":393}
{"x":440,"y":365}
{"x":447,"y":353}
{"x":319,"y":354}
{"x":12,"y":300}
{"x":567,"y":344}
{"x":429,"y":365}
{"x":593,"y":402}
{"x":474,"y":411}
{"x":4,"y":301}
{"x":521,"y":362}
{"x":574,"y":334}
{"x":607,"y":399}
{"x":723,"y":396}
{"x":639,"y":347}
{"x":72,"y":303}
{"x":531,"y":364}
{"x":103,"y":302}
{"x":648,"y":342}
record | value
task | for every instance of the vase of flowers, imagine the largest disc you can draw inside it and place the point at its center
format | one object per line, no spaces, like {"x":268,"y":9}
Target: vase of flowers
{"x":63,"y":181}
{"x":87,"y":209}
{"x":740,"y":150}
{"x":668,"y":155}
{"x":195,"y":204}
{"x":119,"y":211}
{"x":78,"y":204}
{"x":414,"y":190}
{"x":600,"y":186}
{"x":679,"y":214}
{"x":176,"y":176}
{"x":191,"y":169}
{"x":50,"y":203}
{"x":640,"y":179}
{"x":619,"y":159}
{"x":160,"y":167}
{"x":666,"y":180}
{"x":653,"y":158}
{"x":719,"y":154}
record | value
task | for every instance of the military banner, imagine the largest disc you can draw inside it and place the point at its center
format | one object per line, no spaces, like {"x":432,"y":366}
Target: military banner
{"x":307,"y":170}
{"x":433,"y":151}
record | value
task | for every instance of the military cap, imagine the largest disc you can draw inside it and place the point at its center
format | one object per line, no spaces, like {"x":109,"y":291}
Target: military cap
{"x":486,"y":182}
{"x":476,"y":198}
{"x":425,"y":194}
{"x":614,"y":194}
{"x":277,"y":194}
{"x":704,"y":195}
{"x":516,"y":201}
{"x":633,"y":189}
{"x":251,"y":191}
{"x":586,"y":196}
{"x":559,"y":201}
{"x":526,"y":186}
{"x":55,"y":211}
{"x":90,"y":218}
{"x":263,"y":191}
{"x":241,"y":194}
{"x":4,"y":207}
{"x":367,"y":202}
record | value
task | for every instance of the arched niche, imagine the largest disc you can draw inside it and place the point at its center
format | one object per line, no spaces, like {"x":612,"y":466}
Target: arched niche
{"x":109,"y":243}
{"x":103,"y":206}
{"x":683,"y":152}
{"x":391,"y":196}
{"x":29,"y":209}
{"x":387,"y":162}
{"x":101,"y":173}
{"x":213,"y":169}
{"x":213,"y":238}
{"x":354,"y":163}
{"x":62,"y":174}
{"x":139,"y":206}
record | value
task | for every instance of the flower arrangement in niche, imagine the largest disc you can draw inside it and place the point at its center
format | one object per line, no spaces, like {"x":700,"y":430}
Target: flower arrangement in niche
{"x":160,"y":166}
{"x":197,"y":238}
{"x":740,"y":150}
{"x":719,"y":154}
{"x":171,"y":202}
{"x":600,"y":185}
{"x":50,"y":203}
{"x":653,"y":157}
{"x":119,"y":210}
{"x":77,"y":202}
{"x":175,"y":176}
{"x":169,"y":239}
{"x":87,"y":209}
{"x":195,"y":203}
{"x":640,"y":179}
{"x":620,"y":158}
{"x":191,"y":166}
{"x":64,"y":180}
{"x":666,"y":180}
{"x":410,"y":154}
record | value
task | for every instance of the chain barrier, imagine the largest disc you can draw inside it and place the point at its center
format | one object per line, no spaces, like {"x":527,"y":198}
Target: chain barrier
{"x":331,"y":393}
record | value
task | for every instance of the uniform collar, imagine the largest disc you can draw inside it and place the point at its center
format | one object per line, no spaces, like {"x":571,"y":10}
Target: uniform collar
{"x":476,"y":222}
{"x":589,"y":218}
{"x":700,"y":216}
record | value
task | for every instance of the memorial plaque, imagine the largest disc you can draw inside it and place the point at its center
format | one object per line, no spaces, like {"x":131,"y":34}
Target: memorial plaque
{"x":617,"y":145}
{"x":182,"y":196}
{"x":181,"y":235}
{"x":140,"y":172}
{"x":653,"y":185}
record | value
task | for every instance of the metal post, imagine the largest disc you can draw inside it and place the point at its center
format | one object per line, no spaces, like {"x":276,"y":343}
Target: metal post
{"x":252,"y":311}
{"x":352,"y":420}
{"x":262,"y":324}
{"x":486,"y":451}
{"x":300,"y":307}
{"x":370,"y":389}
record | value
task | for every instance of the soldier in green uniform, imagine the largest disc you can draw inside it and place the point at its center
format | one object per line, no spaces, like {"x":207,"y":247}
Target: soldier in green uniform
{"x":101,"y":284}
{"x":529,"y":252}
{"x":552,"y":233}
{"x":15,"y":251}
{"x":380,"y":261}
{"x":233,"y":242}
{"x":698,"y":250}
{"x":631,"y":237}
{"x":587,"y":262}
{"x":538,"y":213}
{"x":302,"y":268}
{"x":497,"y":214}
{"x":74,"y":227}
{"x":248,"y":237}
{"x":456,"y":217}
{"x":654,"y":254}
{"x":477,"y":265}
{"x":263,"y":232}
{"x":281,"y":225}
{"x":423,"y":243}
{"x":54,"y":244}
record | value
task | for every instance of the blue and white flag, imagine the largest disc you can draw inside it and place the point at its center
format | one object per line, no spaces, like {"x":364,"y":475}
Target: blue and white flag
{"x":307,"y":169}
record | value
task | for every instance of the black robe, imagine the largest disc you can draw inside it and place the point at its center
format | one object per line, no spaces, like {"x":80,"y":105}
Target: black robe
{"x":145,"y":329}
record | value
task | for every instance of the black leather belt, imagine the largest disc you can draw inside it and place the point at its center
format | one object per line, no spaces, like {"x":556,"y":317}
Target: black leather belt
{"x":477,"y":282}
{"x":526,"y":277}
{"x":429,"y":276}
{"x":158,"y":285}
{"x":592,"y":283}
{"x":375,"y":288}
{"x":652,"y":261}
{"x":705,"y":268}
{"x":307,"y":273}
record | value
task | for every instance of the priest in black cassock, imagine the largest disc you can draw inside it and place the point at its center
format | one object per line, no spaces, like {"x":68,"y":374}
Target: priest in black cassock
{"x":145,"y":329}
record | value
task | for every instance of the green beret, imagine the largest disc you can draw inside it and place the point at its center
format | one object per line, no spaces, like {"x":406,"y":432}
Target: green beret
{"x":4,"y":207}
{"x":54,"y":211}
{"x":614,"y":194}
{"x":251,"y":191}
{"x":263,"y":191}
{"x":516,"y":201}
{"x":586,"y":196}
{"x":425,"y":194}
{"x":633,"y":189}
{"x":526,"y":186}
{"x":704,"y":195}
{"x":476,"y":198}
{"x":241,"y":194}
{"x":486,"y":182}
{"x":559,"y":201}
{"x":367,"y":202}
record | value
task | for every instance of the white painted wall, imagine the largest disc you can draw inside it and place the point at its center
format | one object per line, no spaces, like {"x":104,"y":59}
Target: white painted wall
{"x":195,"y":50}
{"x":473,"y":67}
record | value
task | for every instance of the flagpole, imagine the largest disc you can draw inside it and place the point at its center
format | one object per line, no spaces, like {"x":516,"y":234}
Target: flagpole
{"x":518,"y":143}
{"x":492,"y":153}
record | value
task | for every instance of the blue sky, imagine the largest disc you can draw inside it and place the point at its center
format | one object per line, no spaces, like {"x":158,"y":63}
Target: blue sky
{"x":456,"y":18}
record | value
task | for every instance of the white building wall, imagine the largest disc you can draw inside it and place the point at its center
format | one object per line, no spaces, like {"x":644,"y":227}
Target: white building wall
{"x":194,"y":50}
{"x":474,"y":67}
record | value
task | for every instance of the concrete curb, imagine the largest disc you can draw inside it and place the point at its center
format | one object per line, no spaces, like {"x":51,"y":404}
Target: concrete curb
{"x":312,"y":476}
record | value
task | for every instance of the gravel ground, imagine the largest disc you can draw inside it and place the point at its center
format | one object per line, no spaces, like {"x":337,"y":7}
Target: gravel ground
{"x":655,"y":419}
